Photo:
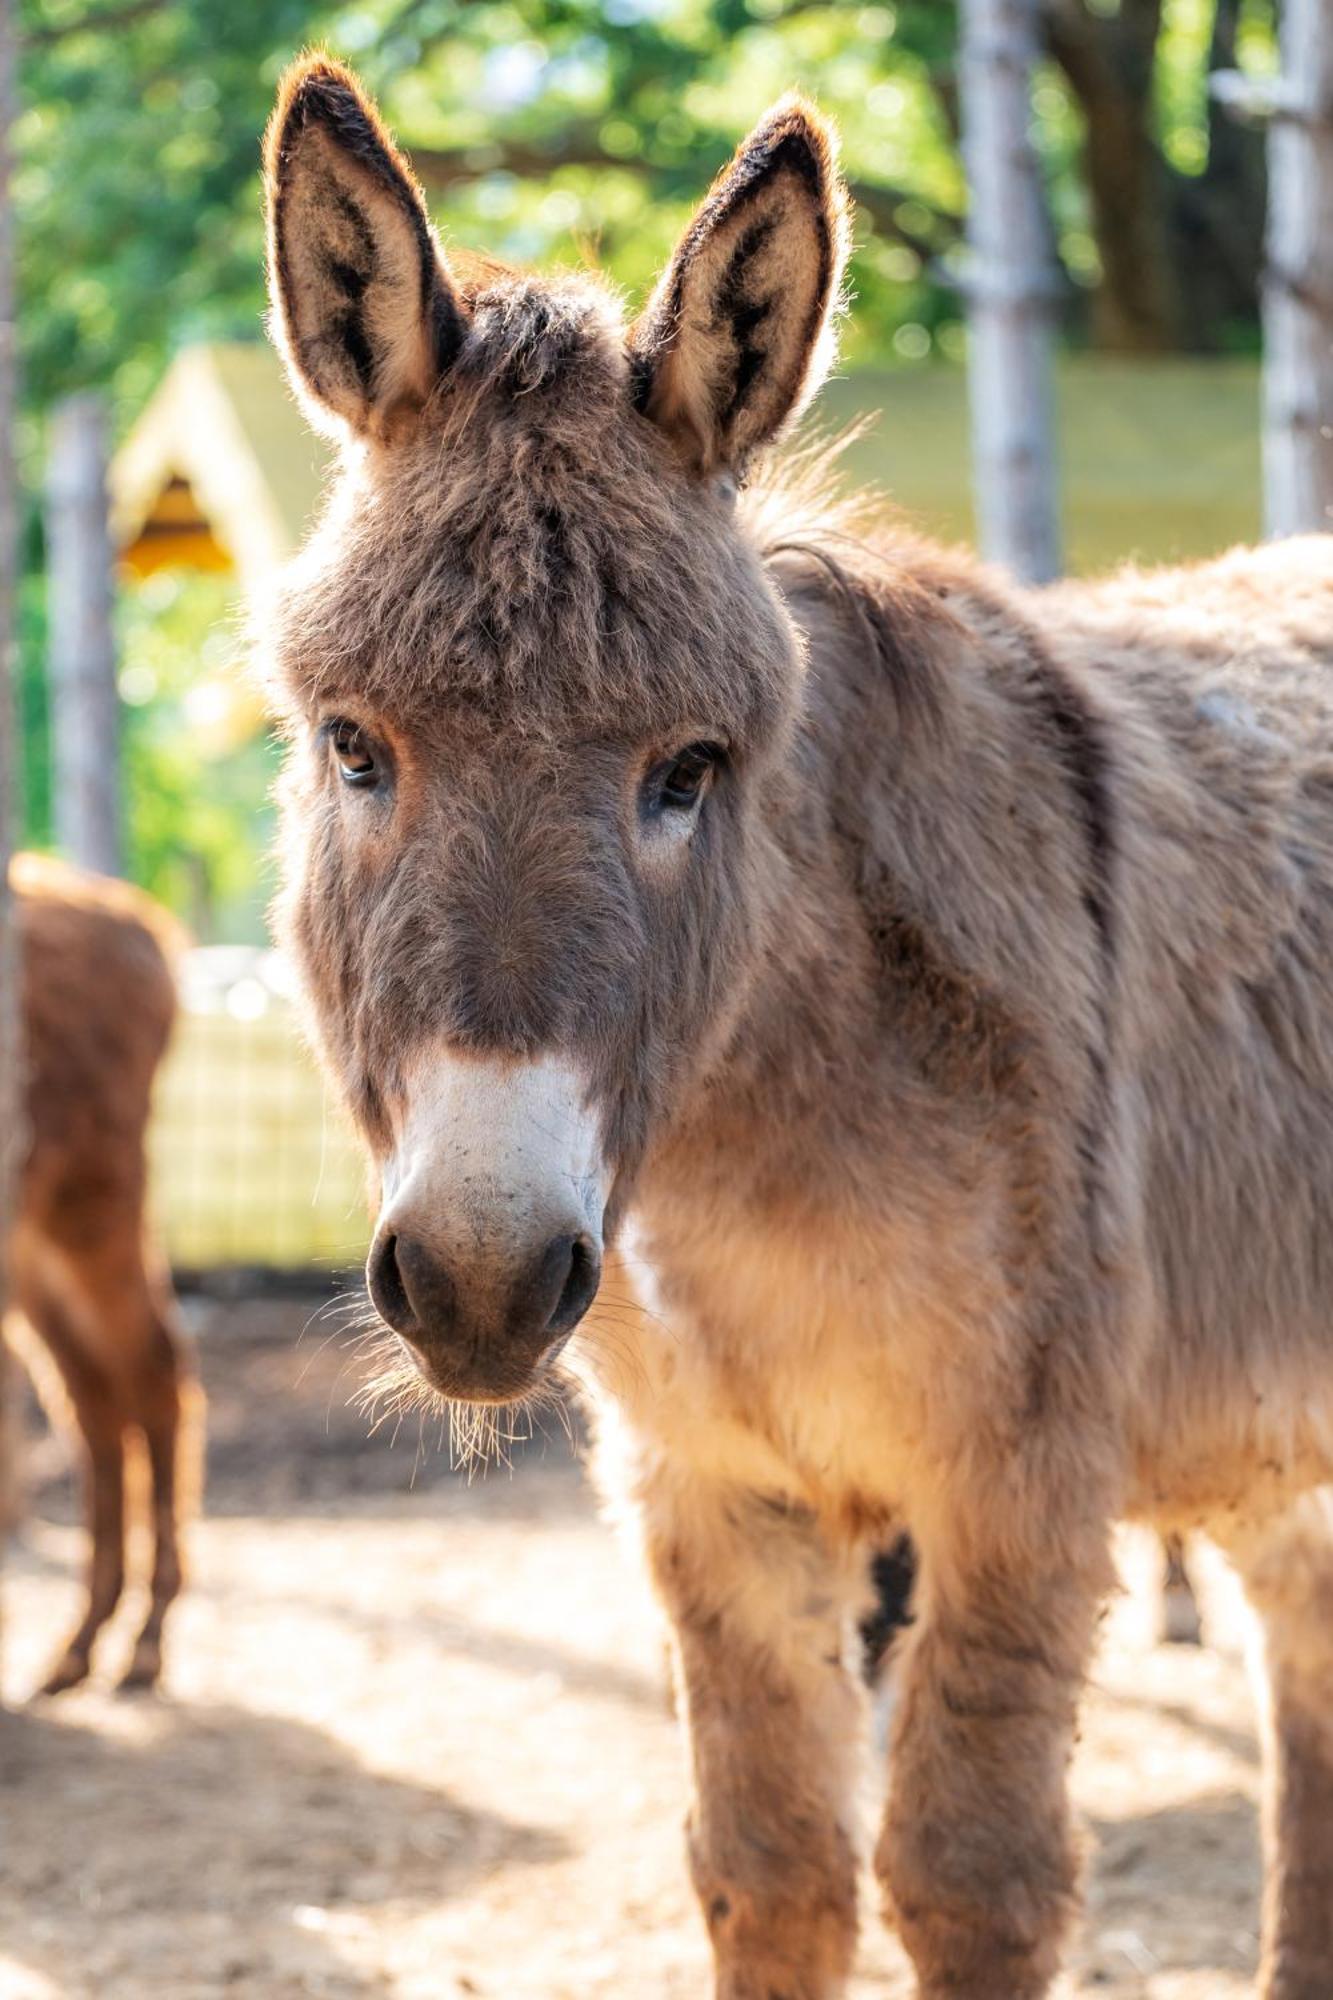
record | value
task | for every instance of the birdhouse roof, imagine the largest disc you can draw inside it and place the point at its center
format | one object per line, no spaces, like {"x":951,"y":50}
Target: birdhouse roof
{"x":221,"y":470}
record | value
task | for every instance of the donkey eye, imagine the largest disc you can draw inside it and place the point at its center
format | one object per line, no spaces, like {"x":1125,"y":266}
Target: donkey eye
{"x":356,"y":758}
{"x":676,"y":786}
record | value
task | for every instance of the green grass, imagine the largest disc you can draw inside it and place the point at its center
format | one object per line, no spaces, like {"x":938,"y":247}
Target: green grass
{"x":1159,"y":461}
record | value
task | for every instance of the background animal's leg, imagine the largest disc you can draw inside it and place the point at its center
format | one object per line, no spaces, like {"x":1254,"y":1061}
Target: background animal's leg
{"x":1181,"y":1624}
{"x":11,"y":1439}
{"x":1288,"y":1574}
{"x":976,"y":1855}
{"x":101,"y":1425}
{"x":774,"y":1716}
{"x":163,"y":1407}
{"x":131,"y":1334}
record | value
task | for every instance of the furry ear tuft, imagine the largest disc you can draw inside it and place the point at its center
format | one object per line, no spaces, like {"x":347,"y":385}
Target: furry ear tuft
{"x":738,"y":334}
{"x":364,"y":309}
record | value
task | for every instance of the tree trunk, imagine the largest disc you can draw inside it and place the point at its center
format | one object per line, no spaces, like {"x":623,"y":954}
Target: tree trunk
{"x":1011,"y":292}
{"x":11,"y":1098}
{"x":1217,"y":219}
{"x":1108,"y":62}
{"x":1298,"y":280}
{"x":84,"y":712}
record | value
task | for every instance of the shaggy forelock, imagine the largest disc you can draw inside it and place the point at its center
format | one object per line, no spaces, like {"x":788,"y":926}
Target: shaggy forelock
{"x":534,"y":550}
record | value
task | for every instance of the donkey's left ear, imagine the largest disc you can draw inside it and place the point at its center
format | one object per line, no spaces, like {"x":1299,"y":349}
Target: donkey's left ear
{"x":364,"y":307}
{"x":738,"y":335}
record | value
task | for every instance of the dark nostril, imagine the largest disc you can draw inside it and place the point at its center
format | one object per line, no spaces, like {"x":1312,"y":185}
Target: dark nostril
{"x":387,"y":1290}
{"x":410,"y":1288}
{"x":583,"y":1271}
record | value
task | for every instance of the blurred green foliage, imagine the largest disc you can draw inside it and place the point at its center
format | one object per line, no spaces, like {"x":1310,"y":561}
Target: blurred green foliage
{"x":562,"y":131}
{"x":197,"y":785}
{"x":542,"y":129}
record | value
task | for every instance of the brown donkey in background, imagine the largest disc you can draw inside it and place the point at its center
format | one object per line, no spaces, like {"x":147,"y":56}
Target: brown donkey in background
{"x":99,"y":1003}
{"x":926,"y":981}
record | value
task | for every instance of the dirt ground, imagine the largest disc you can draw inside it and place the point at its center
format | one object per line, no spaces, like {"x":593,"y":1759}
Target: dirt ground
{"x":415,"y":1742}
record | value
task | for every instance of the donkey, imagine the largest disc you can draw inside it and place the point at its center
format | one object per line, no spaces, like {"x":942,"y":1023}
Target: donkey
{"x":924,"y":982}
{"x":99,"y":1001}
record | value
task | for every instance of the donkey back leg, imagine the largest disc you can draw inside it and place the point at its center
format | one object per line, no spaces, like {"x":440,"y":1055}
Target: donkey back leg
{"x":163,"y":1402}
{"x":130,"y":1319}
{"x":1287,"y":1569}
{"x":100,"y":1421}
{"x":109,"y":1325}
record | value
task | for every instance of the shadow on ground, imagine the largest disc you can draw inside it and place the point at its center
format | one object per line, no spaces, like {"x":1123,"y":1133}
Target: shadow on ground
{"x":258,"y":1831}
{"x":1154,"y":1902}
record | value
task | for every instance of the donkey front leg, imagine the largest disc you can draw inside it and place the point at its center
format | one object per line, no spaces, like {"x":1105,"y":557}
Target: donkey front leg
{"x":759,"y":1607}
{"x":976,"y":1856}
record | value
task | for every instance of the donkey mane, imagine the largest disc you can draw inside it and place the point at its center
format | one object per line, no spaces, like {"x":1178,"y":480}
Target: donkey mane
{"x":899,"y":594}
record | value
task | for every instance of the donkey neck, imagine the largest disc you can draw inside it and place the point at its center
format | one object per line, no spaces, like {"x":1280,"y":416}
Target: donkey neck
{"x":936,"y":882}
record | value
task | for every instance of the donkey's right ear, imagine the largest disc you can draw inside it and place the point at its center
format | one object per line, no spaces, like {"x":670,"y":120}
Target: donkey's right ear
{"x":364,"y":309}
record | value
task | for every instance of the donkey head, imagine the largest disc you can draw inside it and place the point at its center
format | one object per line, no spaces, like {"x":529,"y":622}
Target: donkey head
{"x":537,"y":686}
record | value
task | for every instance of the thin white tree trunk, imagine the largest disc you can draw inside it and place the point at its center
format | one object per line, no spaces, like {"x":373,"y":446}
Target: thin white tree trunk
{"x":1011,"y":292}
{"x":1298,"y":284}
{"x":84,"y":710}
{"x":11,"y":1099}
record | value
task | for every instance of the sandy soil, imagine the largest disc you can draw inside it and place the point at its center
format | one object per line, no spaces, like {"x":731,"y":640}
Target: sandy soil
{"x":416,"y":1742}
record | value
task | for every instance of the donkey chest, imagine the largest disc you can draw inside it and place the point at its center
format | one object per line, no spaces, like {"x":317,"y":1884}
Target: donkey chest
{"x":796,"y":1362}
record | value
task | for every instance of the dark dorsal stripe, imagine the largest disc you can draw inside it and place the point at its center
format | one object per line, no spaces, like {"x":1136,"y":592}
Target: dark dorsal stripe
{"x":1079,"y":736}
